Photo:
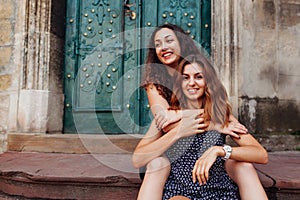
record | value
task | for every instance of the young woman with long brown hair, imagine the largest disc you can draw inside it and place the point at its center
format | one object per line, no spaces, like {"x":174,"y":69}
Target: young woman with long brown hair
{"x":168,"y":46}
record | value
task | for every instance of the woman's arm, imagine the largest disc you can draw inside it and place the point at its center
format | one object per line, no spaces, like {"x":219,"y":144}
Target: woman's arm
{"x":164,"y":117}
{"x":233,"y":129}
{"x":160,"y":109}
{"x":155,"y":143}
{"x":156,"y":101}
{"x":249,"y":150}
{"x":146,"y":150}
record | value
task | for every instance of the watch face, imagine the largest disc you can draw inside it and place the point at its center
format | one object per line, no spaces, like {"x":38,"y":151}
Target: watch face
{"x":228,"y":148}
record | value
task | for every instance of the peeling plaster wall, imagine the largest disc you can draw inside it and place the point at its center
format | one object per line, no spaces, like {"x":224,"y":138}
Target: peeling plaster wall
{"x":8,"y":68}
{"x":31,"y":66}
{"x":269,"y":71}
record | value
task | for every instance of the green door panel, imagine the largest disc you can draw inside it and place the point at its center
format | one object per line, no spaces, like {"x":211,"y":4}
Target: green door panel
{"x":100,"y":53}
{"x":104,"y":51}
{"x":99,"y":47}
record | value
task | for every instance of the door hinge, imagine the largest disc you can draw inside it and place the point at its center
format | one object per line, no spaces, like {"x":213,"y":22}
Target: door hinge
{"x":76,"y":48}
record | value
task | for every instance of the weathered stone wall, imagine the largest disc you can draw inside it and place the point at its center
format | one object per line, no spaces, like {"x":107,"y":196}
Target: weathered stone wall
{"x":269,"y":73}
{"x":31,"y":66}
{"x":8,"y":70}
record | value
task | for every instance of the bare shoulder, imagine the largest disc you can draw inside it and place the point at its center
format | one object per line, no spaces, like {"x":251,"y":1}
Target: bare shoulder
{"x":151,"y":88}
{"x":155,"y":99}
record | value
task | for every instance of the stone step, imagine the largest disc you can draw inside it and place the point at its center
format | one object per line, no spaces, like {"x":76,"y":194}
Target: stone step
{"x":123,"y":143}
{"x":281,"y":176}
{"x":29,"y":175}
{"x":72,"y":143}
{"x":67,"y":176}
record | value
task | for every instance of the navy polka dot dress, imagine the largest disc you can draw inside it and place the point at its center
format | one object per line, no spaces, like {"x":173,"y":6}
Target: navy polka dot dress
{"x":183,"y":156}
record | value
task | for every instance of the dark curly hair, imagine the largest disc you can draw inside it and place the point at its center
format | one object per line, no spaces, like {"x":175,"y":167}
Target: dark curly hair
{"x":155,"y":73}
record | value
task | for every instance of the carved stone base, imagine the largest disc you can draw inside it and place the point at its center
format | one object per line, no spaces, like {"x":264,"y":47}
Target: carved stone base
{"x":35,"y":110}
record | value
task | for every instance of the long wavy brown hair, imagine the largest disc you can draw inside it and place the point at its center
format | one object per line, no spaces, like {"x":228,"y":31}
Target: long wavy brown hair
{"x":215,"y":101}
{"x":155,"y":72}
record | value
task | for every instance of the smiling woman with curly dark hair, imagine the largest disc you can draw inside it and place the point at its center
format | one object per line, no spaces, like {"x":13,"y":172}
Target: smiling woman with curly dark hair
{"x":155,"y":72}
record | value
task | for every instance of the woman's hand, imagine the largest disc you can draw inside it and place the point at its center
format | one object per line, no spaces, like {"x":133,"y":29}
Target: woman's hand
{"x":233,"y":129}
{"x":190,"y":125}
{"x":203,"y":164}
{"x":164,"y":118}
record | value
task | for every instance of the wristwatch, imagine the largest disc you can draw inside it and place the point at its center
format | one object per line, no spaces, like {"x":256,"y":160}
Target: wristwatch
{"x":227,"y":150}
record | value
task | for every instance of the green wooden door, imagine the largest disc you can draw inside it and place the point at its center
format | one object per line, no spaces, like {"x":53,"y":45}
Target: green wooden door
{"x":105,"y":45}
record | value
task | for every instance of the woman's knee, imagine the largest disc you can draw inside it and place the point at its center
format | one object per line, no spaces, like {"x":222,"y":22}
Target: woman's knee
{"x":158,"y":163}
{"x":239,"y":166}
{"x":239,"y":169}
{"x":245,"y":167}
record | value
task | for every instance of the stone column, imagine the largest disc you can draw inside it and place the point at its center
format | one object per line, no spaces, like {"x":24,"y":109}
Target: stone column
{"x":225,"y":45}
{"x":40,"y":106}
